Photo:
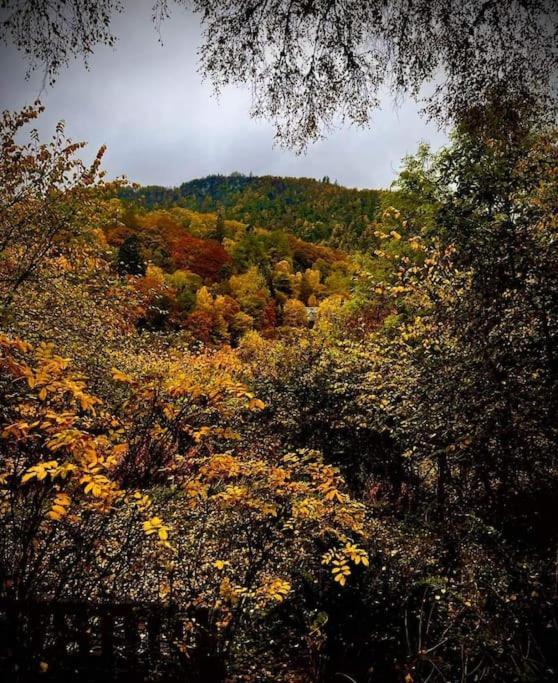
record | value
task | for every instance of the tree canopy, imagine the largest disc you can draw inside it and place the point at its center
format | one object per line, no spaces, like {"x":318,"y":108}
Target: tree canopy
{"x":313,"y":62}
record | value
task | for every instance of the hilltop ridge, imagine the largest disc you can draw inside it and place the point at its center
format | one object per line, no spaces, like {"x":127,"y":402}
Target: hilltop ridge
{"x":314,"y":210}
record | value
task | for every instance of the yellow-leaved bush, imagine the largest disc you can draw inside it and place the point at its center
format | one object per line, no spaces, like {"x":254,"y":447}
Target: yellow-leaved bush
{"x":163,"y":481}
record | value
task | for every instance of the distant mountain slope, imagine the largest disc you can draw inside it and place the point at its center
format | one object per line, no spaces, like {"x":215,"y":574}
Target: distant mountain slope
{"x":316,"y":211}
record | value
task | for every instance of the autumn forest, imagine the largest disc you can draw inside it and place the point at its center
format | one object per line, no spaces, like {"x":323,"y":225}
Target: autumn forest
{"x":272,"y":429}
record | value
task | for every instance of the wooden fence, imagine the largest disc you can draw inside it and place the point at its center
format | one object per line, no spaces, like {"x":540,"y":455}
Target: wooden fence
{"x":53,"y":641}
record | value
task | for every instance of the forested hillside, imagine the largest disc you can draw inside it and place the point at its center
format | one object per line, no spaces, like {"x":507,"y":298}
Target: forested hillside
{"x":313,"y":210}
{"x":220,"y":278}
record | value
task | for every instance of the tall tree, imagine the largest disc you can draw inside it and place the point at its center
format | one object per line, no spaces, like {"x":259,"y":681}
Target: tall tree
{"x":130,"y":258}
{"x":47,"y":198}
{"x":218,"y":233}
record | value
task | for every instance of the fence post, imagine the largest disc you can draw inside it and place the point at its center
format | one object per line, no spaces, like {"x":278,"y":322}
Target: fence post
{"x":131,"y":636}
{"x":107,"y":634}
{"x":13,"y":639}
{"x":36,"y":621}
{"x":153,"y":635}
{"x":59,"y":632}
{"x":82,"y":634}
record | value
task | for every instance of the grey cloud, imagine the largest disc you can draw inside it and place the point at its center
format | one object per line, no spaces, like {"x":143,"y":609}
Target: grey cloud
{"x":162,"y":124}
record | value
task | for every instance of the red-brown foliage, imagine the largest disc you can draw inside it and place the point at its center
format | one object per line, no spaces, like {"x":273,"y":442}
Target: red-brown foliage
{"x":200,"y":324}
{"x":269,"y":316}
{"x":117,"y":235}
{"x":206,"y":258}
{"x":229,"y":307}
{"x":306,"y":254}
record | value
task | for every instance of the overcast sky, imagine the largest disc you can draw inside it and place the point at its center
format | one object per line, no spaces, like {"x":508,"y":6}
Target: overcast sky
{"x":162,"y":124}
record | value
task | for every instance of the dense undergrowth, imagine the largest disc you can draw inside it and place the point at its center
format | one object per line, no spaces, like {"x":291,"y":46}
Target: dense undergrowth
{"x":346,"y":457}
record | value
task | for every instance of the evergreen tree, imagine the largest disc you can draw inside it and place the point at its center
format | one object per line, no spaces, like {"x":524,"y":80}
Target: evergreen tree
{"x":130,"y":258}
{"x":218,"y":233}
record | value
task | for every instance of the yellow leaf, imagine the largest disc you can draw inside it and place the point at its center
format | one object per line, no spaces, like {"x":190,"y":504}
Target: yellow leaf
{"x":220,"y":564}
{"x":256,"y":404}
{"x":120,"y":376}
{"x":333,"y":494}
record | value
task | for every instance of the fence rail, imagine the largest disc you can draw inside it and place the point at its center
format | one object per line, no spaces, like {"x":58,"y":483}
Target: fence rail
{"x":64,"y":640}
